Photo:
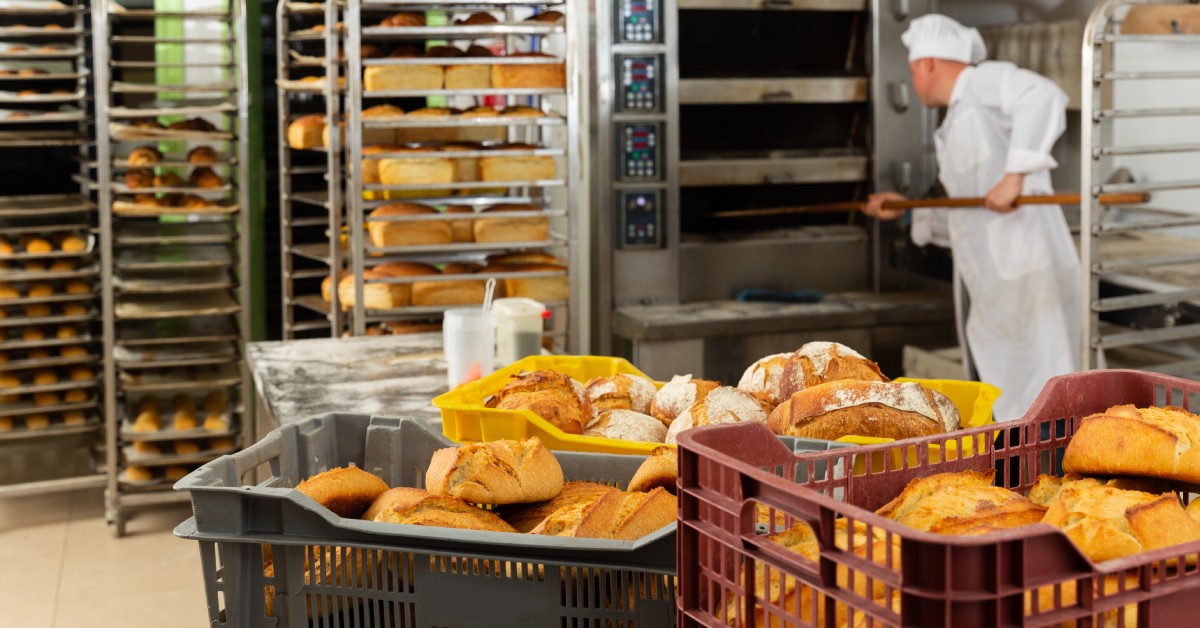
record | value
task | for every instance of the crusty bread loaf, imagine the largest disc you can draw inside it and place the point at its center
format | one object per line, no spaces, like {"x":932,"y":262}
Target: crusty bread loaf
{"x":1106,"y":522}
{"x":724,"y":404}
{"x":499,"y":472}
{"x":551,"y":395}
{"x":764,"y":376}
{"x":1045,"y":489}
{"x":526,"y":517}
{"x":677,"y":396}
{"x":820,"y":362}
{"x":627,"y":425}
{"x":620,"y":392}
{"x":548,"y":75}
{"x":413,"y":506}
{"x":859,"y":408}
{"x":390,"y":77}
{"x":1124,"y":440}
{"x":347,"y":491}
{"x":963,"y":504}
{"x":385,"y":234}
{"x":376,"y":296}
{"x":661,"y":469}
{"x":622,"y":516}
{"x":306,"y":132}
{"x":492,"y":227}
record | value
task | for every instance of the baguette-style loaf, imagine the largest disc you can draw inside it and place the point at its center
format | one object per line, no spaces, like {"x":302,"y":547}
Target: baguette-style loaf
{"x":677,"y":396}
{"x":877,"y":409}
{"x":661,"y":469}
{"x":347,"y":491}
{"x":549,"y":394}
{"x":526,"y":517}
{"x":1107,"y":522}
{"x":1124,"y":440}
{"x":620,"y":392}
{"x":419,"y":508}
{"x":618,"y":515}
{"x":1045,"y":489}
{"x":499,"y":472}
{"x":725,"y":404}
{"x":764,"y":376}
{"x":819,"y":362}
{"x":627,"y":425}
{"x":962,"y":504}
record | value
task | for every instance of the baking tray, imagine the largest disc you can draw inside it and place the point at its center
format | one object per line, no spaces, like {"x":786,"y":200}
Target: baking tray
{"x":121,"y":163}
{"x":466,"y":185}
{"x":13,"y":97}
{"x":35,"y":7}
{"x":209,"y":232}
{"x":39,"y":139}
{"x":465,"y":31}
{"x":57,"y":387}
{"x":90,"y":270}
{"x":483,"y":91}
{"x":42,"y":205}
{"x":159,"y":483}
{"x":182,"y":378}
{"x":125,"y":133}
{"x":161,"y":460}
{"x":166,"y":282}
{"x":460,"y":121}
{"x":25,"y":407}
{"x":52,"y":340}
{"x":31,"y":53}
{"x":8,"y":31}
{"x":47,"y":363}
{"x":142,"y":307}
{"x":175,"y":257}
{"x":48,"y":76}
{"x":39,"y":117}
{"x":55,"y":298}
{"x":555,"y":240}
{"x":167,"y":412}
{"x":91,"y":246}
{"x":125,"y":87}
{"x":176,"y":331}
{"x":120,"y":188}
{"x":92,"y":423}
{"x":176,"y":355}
{"x":126,"y":208}
{"x":20,"y":320}
{"x":187,"y":107}
{"x":20,"y":226}
{"x":296,"y":85}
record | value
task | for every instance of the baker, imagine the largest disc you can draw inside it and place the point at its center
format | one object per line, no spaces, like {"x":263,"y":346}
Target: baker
{"x":1018,"y":265}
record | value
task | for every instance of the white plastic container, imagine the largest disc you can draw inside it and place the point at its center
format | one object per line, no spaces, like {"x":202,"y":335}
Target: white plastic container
{"x":469,"y":336}
{"x":518,"y":328}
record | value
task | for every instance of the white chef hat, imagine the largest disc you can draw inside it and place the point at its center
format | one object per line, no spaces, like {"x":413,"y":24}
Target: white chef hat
{"x":939,"y":37}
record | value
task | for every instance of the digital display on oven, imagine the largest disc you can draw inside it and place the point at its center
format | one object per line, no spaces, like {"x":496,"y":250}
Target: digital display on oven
{"x":640,"y":154}
{"x":639,"y":83}
{"x":639,"y":21}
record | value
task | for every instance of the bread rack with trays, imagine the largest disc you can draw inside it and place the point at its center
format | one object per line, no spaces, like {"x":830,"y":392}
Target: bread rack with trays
{"x":532,"y":122}
{"x":49,"y":371}
{"x":1124,"y":75}
{"x":310,"y":179}
{"x":172,"y":169}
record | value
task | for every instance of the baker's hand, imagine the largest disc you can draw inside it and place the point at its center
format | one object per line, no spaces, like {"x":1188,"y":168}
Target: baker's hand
{"x":1001,"y":198}
{"x":874,"y":206}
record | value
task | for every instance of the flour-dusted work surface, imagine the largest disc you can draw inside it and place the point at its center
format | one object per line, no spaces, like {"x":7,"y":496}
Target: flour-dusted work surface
{"x":382,"y":375}
{"x":62,"y":566}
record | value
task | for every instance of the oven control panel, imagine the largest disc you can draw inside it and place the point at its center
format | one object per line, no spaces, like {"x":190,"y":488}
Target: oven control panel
{"x":640,"y":216}
{"x":639,"y":154}
{"x":638,"y":22}
{"x":640,"y":77}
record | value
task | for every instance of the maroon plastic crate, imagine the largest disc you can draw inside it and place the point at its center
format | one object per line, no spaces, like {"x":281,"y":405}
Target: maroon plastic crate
{"x":1030,"y":576}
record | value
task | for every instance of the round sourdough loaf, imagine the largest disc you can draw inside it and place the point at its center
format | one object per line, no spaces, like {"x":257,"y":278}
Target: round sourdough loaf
{"x":820,"y":362}
{"x":627,"y":425}
{"x":679,"y":394}
{"x":725,"y":404}
{"x":551,"y":395}
{"x":764,"y":376}
{"x":877,"y":409}
{"x":620,"y":392}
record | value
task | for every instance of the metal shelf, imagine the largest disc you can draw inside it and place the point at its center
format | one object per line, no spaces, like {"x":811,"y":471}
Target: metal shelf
{"x":774,"y":5}
{"x":491,"y":91}
{"x":706,"y":91}
{"x":471,"y":32}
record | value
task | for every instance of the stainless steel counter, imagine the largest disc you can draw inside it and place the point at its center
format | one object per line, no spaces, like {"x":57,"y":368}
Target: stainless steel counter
{"x":389,"y":375}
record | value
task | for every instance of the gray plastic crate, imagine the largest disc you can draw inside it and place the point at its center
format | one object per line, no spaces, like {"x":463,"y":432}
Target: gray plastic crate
{"x":399,"y":575}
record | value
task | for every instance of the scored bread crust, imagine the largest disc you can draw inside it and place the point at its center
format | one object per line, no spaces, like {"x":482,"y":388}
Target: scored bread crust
{"x":1107,"y":522}
{"x":763,"y":378}
{"x":963,"y":504}
{"x":820,"y":362}
{"x":618,"y":515}
{"x":443,"y":511}
{"x":499,"y":472}
{"x":347,"y":491}
{"x":627,"y":425}
{"x":677,"y":396}
{"x":620,"y":392}
{"x":1045,"y":489}
{"x":661,"y":469}
{"x":877,"y":409}
{"x":551,"y":395}
{"x":1125,"y":440}
{"x":526,"y":517}
{"x":724,"y":404}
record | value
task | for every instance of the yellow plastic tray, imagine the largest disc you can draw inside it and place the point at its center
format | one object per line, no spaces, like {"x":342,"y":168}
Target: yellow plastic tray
{"x":465,"y":419}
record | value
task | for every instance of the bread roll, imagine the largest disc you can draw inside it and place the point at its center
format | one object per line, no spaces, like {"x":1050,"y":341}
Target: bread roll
{"x":376,"y":296}
{"x":764,"y":376}
{"x":74,"y":417}
{"x":1107,"y":522}
{"x":306,"y":132}
{"x":146,"y":447}
{"x":147,"y":422}
{"x":46,"y":399}
{"x":819,"y":362}
{"x":1045,"y":489}
{"x":544,"y":76}
{"x":135,"y":473}
{"x":499,"y":472}
{"x":37,"y":421}
{"x":876,"y":409}
{"x":620,"y":392}
{"x":411,"y":506}
{"x":81,"y":374}
{"x":202,"y":156}
{"x":144,"y":156}
{"x":40,"y":289}
{"x":78,"y":287}
{"x":404,"y":19}
{"x":175,"y":472}
{"x":627,"y":425}
{"x":1124,"y":440}
{"x":168,"y":180}
{"x":220,"y":444}
{"x":395,"y":77}
{"x":385,"y":234}
{"x":72,"y":243}
{"x":963,"y":504}
{"x":205,"y":178}
{"x":526,"y":517}
{"x":184,"y":419}
{"x":216,"y":423}
{"x":491,"y":228}
{"x":8,"y":380}
{"x":187,"y":448}
{"x":620,"y":516}
{"x":138,"y":178}
{"x":661,"y":469}
{"x":551,"y":17}
{"x":44,"y":377}
{"x":725,"y":404}
{"x":677,"y":396}
{"x":477,"y":19}
{"x":79,"y":395}
{"x":521,"y":258}
{"x":347,"y":491}
{"x":551,"y":395}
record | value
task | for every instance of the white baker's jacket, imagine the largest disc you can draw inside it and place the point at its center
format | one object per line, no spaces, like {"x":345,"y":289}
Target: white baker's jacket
{"x":1020,"y":269}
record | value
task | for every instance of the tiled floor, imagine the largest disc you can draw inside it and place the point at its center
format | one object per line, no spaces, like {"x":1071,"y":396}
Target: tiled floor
{"x":61,"y":566}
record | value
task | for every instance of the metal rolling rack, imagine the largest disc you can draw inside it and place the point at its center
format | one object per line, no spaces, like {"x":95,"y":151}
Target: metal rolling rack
{"x":310,"y":192}
{"x":175,"y":276}
{"x":1106,"y":261}
{"x":556,"y":132}
{"x":49,"y":401}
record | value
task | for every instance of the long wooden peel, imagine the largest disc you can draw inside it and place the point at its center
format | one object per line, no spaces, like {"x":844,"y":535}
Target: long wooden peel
{"x":1131,"y":198}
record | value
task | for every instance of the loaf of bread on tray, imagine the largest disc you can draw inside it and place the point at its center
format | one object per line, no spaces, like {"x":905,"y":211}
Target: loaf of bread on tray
{"x":820,"y":362}
{"x":963,"y":504}
{"x":408,"y":233}
{"x":627,"y":425}
{"x":620,"y":392}
{"x":526,"y":517}
{"x":679,"y":395}
{"x":499,"y":472}
{"x":492,"y":226}
{"x":413,"y":506}
{"x":660,"y":469}
{"x":1125,"y":440}
{"x":724,"y":404}
{"x":860,"y":408}
{"x":764,"y":376}
{"x":542,"y":75}
{"x":551,"y":395}
{"x":623,"y":516}
{"x":347,"y":491}
{"x":306,"y":132}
